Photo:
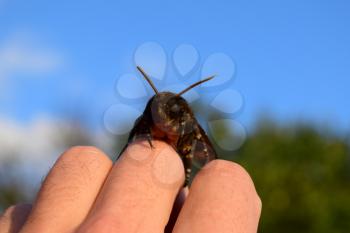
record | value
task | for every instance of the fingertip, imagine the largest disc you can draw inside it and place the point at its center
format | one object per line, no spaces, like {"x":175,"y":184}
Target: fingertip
{"x":225,"y":191}
{"x":225,"y":166}
{"x":85,"y":154}
{"x":229,"y":173}
{"x":161,"y":160}
{"x":168,"y":168}
{"x":70,"y":188}
{"x":140,"y":189}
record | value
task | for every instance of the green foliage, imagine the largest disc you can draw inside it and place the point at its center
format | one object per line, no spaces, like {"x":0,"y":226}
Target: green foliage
{"x":10,"y":195}
{"x":302,"y":177}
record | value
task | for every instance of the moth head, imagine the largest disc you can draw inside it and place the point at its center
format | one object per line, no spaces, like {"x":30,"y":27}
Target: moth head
{"x":169,"y":109}
{"x":169,"y":106}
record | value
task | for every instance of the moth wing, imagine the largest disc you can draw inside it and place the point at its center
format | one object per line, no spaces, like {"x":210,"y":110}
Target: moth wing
{"x":141,"y":130}
{"x":202,"y":149}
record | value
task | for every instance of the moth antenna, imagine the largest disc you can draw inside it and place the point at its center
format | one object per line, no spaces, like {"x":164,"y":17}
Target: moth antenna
{"x":194,"y":84}
{"x":148,"y":79}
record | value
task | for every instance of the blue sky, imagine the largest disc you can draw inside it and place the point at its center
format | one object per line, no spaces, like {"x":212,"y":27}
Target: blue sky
{"x":292,"y":57}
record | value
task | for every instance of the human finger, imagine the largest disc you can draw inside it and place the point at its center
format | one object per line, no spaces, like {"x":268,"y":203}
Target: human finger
{"x":222,"y":198}
{"x":68,"y":191}
{"x":139,"y":192}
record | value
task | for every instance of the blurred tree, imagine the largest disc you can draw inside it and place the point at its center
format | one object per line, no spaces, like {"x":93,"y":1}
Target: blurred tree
{"x":10,"y":194}
{"x":302,"y":176}
{"x":11,"y":190}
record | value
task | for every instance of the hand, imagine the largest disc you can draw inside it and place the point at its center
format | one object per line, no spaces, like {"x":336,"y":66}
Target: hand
{"x":141,"y":192}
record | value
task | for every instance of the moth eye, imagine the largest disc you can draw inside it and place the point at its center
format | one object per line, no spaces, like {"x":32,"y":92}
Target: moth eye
{"x":175,"y":108}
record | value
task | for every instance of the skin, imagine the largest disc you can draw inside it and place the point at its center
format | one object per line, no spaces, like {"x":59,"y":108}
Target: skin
{"x":142,"y":192}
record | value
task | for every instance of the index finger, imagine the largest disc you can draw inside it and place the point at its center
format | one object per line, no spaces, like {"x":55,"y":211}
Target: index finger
{"x":139,"y":192}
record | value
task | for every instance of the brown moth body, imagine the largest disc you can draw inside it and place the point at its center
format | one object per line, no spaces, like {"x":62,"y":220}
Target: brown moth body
{"x":168,"y":117}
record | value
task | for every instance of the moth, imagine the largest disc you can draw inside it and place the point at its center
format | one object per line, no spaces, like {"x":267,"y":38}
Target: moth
{"x":168,"y":117}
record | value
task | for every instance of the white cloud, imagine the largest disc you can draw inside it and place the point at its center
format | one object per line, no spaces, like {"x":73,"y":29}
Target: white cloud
{"x":41,"y":139}
{"x":28,"y":151}
{"x":24,"y":53}
{"x":35,"y":141}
